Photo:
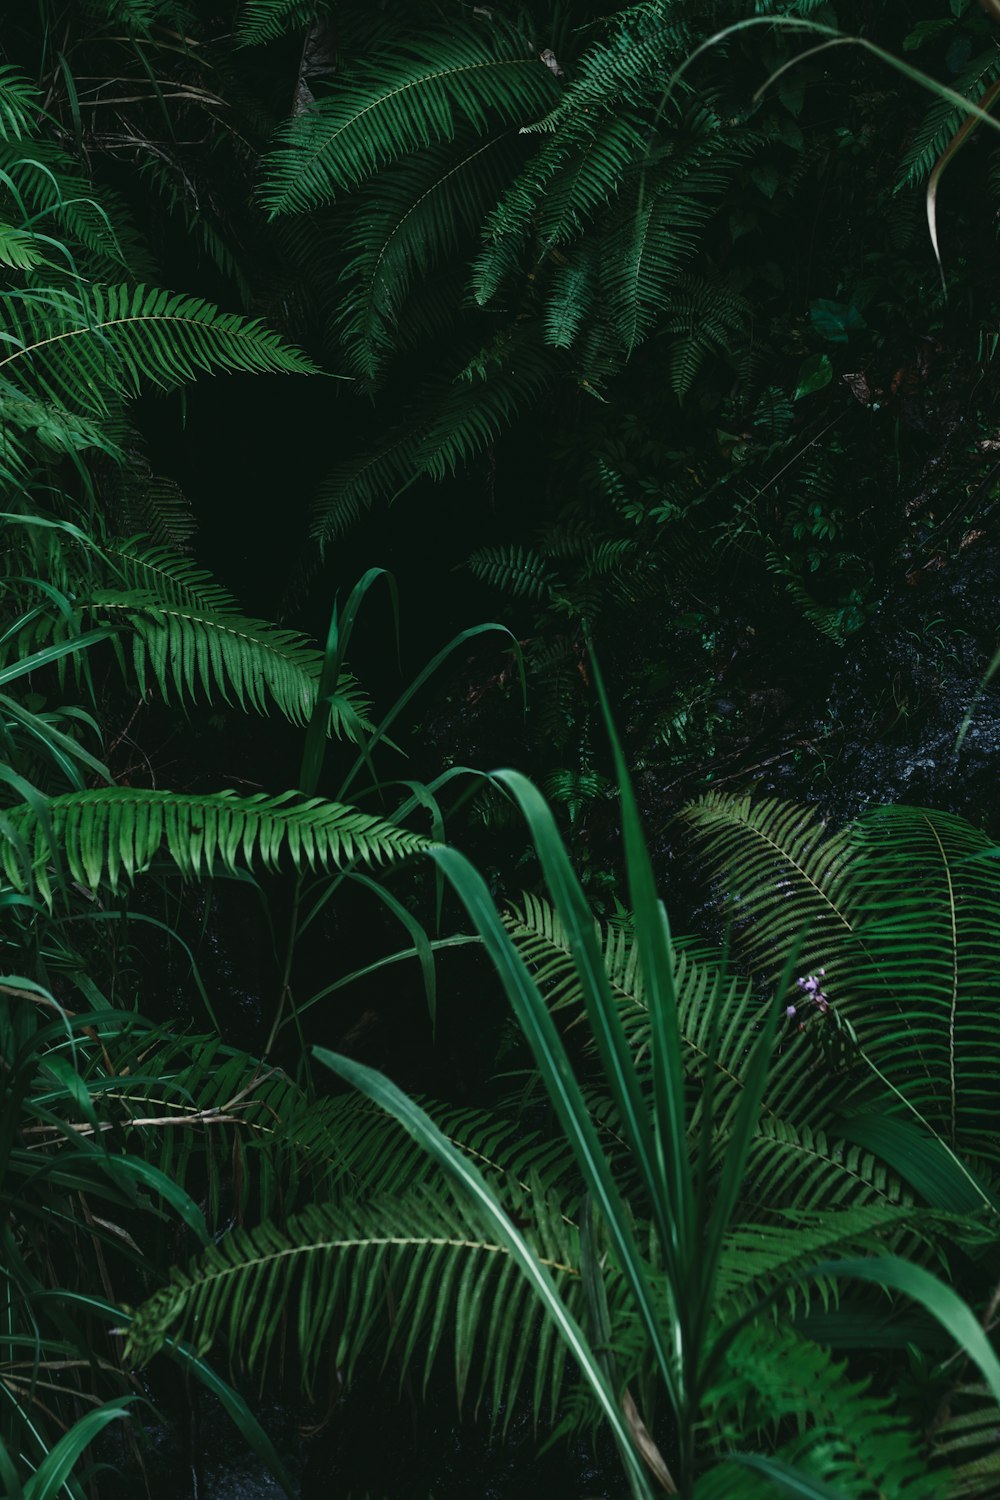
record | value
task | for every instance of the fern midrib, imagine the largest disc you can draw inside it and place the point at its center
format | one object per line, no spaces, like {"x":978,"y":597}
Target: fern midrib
{"x":798,"y":1147}
{"x":145,"y":565}
{"x":786,"y":856}
{"x":325,"y":1246}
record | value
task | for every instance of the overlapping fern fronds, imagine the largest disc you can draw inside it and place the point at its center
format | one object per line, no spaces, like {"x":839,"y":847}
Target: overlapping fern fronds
{"x":902,"y":911}
{"x":719,"y":1019}
{"x":183,"y":632}
{"x":413,"y":218}
{"x":403,"y":100}
{"x":842,"y":1433}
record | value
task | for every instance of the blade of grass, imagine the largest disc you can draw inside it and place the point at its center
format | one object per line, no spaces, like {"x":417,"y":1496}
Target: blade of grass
{"x":951,"y":1311}
{"x":564,"y":1092}
{"x":669,"y":1105}
{"x":58,"y":1464}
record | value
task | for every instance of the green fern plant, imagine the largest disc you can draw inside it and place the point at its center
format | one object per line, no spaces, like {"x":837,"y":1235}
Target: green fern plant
{"x":700,"y":1284}
{"x":899,"y":911}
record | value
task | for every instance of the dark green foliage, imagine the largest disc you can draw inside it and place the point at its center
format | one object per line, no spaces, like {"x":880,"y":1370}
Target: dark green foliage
{"x":664,"y":316}
{"x":900,"y":912}
{"x":397,"y":102}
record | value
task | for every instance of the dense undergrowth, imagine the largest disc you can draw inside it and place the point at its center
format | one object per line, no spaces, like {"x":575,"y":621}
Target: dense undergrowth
{"x":668,"y":337}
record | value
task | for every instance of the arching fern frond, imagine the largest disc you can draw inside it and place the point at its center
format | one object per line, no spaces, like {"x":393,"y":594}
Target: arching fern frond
{"x":943,"y":118}
{"x":655,"y":234}
{"x":82,"y":347}
{"x":108,"y":836}
{"x":931,"y":925}
{"x":457,"y":419}
{"x":500,"y":381}
{"x":355,"y":485}
{"x":400,"y":101}
{"x":344,"y":1267}
{"x":416,"y":214}
{"x":194,"y":651}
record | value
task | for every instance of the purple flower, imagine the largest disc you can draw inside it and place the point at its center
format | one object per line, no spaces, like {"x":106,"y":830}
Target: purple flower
{"x":812,"y":986}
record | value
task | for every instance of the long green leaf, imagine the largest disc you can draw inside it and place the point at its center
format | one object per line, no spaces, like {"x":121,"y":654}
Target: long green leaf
{"x":58,"y":1464}
{"x":656,"y":960}
{"x":952,"y":1312}
{"x":565,"y":1094}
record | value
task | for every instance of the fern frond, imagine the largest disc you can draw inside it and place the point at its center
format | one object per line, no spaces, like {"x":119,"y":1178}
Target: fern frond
{"x":902,"y":911}
{"x":517,"y":570}
{"x":556,"y":193}
{"x":797,"y":1156}
{"x":655,"y":236}
{"x":966,"y":1440}
{"x":499,"y":382}
{"x":151,"y":504}
{"x":643,"y":46}
{"x":571,"y":300}
{"x":787,"y":881}
{"x":812,"y":1169}
{"x":760,"y":1257}
{"x":705,"y":319}
{"x":342,"y":1267}
{"x":261,"y":20}
{"x":930,"y":903}
{"x":194,"y":651}
{"x":113,"y":834}
{"x":416,"y":214}
{"x":19,"y":102}
{"x":19,"y":248}
{"x":846,"y":1437}
{"x":80,"y":347}
{"x":577,"y":191}
{"x":32,"y":428}
{"x":401,"y":101}
{"x":943,"y":118}
{"x":456,"y":421}
{"x":47,"y":185}
{"x":357,"y":484}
